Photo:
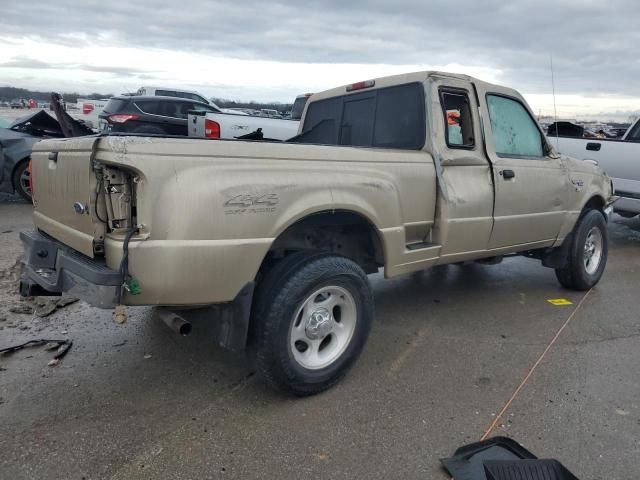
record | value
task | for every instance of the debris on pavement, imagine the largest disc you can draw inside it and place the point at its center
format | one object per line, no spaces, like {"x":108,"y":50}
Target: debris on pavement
{"x":46,"y":307}
{"x":22,"y":309}
{"x":62,"y":346}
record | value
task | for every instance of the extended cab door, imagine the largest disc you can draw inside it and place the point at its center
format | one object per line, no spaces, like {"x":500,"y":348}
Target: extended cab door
{"x":465,"y":204}
{"x":530,"y":186}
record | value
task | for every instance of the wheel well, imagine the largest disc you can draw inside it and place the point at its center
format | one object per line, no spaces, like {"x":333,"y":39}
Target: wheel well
{"x":341,"y":232}
{"x":15,"y":168}
{"x":594,"y":203}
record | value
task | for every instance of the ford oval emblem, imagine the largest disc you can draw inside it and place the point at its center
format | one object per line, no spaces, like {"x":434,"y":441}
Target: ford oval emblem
{"x":79,"y":208}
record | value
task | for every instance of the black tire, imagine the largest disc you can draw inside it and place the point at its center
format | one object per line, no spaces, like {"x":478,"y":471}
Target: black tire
{"x":153,"y":129}
{"x":575,"y":274}
{"x":280,"y":294}
{"x":22,"y":187}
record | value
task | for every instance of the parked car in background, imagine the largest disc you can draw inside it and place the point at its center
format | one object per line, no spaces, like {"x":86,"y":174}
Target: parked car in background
{"x":620,"y":158}
{"x":150,"y":114}
{"x":16,"y":104}
{"x":249,"y":127}
{"x":91,"y":110}
{"x":18,"y":138}
{"x":179,"y":93}
{"x":270,"y":112}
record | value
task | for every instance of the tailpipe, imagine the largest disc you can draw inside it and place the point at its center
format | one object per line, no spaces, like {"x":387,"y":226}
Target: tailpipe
{"x":175,"y":322}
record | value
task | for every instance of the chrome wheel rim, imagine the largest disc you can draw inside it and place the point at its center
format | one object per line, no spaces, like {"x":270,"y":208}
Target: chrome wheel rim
{"x":25,"y":181}
{"x":593,"y":250}
{"x":322,"y":327}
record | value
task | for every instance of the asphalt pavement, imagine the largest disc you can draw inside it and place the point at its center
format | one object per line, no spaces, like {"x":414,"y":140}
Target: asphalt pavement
{"x":448,"y":354}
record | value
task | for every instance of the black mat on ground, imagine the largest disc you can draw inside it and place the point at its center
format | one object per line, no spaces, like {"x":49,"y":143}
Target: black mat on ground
{"x":500,"y":458}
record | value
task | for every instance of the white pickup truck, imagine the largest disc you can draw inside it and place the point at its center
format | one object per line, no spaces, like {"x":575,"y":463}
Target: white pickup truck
{"x":228,"y":125}
{"x":619,"y":158}
{"x":89,"y":110}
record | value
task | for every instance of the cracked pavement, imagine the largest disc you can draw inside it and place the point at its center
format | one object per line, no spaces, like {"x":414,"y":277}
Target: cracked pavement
{"x":448,"y":348}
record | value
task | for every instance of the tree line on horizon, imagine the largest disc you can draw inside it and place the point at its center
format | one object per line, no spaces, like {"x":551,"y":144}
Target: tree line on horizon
{"x":8,"y":94}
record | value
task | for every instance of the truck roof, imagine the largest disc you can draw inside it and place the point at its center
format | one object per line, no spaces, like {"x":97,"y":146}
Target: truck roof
{"x":400,"y":79}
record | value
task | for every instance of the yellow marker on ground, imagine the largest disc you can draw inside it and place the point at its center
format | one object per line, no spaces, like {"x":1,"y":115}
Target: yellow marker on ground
{"x":559,"y":301}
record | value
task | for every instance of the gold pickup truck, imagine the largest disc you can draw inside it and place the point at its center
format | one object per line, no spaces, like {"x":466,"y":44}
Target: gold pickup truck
{"x":401,"y":173}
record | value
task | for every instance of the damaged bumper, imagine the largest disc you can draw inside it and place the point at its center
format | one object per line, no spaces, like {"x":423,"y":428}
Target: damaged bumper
{"x":50,"y":268}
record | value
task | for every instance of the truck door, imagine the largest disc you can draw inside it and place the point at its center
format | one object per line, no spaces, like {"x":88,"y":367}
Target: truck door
{"x":530,"y":186}
{"x":464,"y":215}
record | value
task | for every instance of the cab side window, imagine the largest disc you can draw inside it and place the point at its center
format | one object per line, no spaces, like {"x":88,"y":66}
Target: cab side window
{"x":457,"y":118}
{"x":515,"y":133}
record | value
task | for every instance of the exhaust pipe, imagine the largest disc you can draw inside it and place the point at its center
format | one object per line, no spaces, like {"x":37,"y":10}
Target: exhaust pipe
{"x":175,"y":322}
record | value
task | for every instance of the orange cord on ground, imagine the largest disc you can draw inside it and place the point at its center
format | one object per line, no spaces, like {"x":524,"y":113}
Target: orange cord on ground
{"x":531,"y":370}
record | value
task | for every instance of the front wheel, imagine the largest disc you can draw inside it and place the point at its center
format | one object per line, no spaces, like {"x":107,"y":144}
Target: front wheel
{"x":22,"y":180}
{"x":311,"y":319}
{"x":587,"y":253}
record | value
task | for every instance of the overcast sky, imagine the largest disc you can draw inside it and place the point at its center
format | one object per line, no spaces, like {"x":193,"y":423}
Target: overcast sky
{"x":257,"y":50}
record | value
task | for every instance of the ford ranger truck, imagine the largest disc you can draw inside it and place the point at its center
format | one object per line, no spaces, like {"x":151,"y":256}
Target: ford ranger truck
{"x":401,"y":173}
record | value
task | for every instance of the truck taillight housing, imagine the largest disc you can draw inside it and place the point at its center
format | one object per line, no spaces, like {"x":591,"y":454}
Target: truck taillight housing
{"x":122,"y":117}
{"x":211,"y":129}
{"x":87,"y":108}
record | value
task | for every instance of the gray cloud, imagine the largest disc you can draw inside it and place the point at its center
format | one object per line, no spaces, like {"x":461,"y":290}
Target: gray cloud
{"x":593,"y":43}
{"x":32,"y":63}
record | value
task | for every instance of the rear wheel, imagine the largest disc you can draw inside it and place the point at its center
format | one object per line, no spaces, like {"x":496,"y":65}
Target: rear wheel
{"x":311,"y":319}
{"x":587,"y":253}
{"x":22,"y":180}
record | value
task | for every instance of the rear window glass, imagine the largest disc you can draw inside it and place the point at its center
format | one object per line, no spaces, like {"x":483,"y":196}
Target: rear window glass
{"x":187,"y":95}
{"x":385,"y":118}
{"x":298,"y":107}
{"x":634,"y":134}
{"x":166,"y":93}
{"x":357,"y":121}
{"x":115,"y":104}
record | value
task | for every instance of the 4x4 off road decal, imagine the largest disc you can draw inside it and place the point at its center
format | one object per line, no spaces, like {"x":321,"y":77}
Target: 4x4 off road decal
{"x":251,"y":203}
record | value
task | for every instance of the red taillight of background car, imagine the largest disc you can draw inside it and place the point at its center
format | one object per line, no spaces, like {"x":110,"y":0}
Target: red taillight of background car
{"x":87,"y":108}
{"x":211,"y":129}
{"x":122,"y":117}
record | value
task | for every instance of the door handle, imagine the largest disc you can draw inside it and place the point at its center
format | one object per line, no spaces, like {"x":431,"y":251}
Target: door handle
{"x":594,"y":146}
{"x":507,"y":174}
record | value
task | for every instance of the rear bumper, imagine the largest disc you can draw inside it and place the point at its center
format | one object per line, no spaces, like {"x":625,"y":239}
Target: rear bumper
{"x":51,"y":268}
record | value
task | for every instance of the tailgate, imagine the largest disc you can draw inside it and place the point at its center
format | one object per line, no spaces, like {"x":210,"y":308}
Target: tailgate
{"x":64,"y":186}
